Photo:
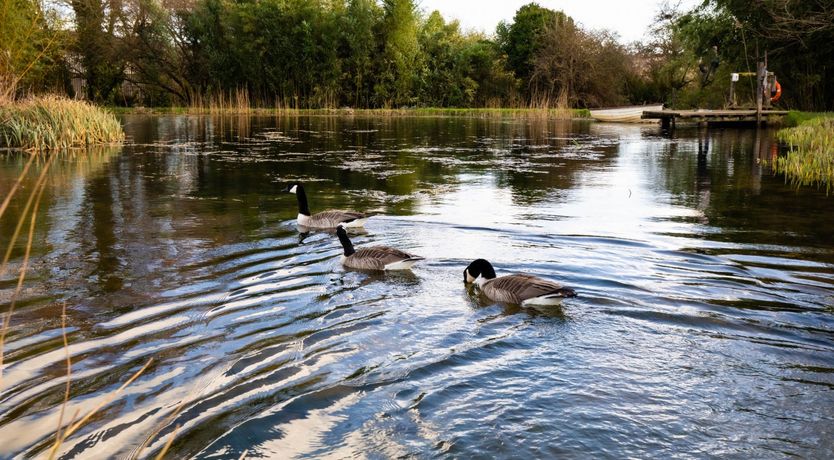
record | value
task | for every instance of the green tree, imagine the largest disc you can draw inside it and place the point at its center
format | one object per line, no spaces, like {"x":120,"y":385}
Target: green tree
{"x":445,"y":76}
{"x":359,"y":45}
{"x":102,"y":55}
{"x":400,"y":57}
{"x":30,"y":44}
{"x":521,"y":39}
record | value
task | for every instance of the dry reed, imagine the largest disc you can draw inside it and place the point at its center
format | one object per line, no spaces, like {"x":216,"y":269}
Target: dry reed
{"x":51,"y":122}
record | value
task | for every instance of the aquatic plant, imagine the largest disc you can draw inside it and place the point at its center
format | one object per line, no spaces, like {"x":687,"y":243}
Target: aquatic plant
{"x":51,"y":122}
{"x":810,"y":158}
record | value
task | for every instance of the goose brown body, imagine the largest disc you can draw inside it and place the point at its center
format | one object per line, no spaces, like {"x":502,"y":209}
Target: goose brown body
{"x":380,"y":258}
{"x":332,"y":219}
{"x":374,"y":257}
{"x":521,"y":288}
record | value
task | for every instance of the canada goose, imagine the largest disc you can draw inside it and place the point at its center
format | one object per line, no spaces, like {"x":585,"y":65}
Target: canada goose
{"x":518,"y":289}
{"x":324,"y":219}
{"x":374,"y":257}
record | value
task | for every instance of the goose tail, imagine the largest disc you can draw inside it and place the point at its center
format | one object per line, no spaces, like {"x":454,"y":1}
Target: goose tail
{"x":404,"y":264}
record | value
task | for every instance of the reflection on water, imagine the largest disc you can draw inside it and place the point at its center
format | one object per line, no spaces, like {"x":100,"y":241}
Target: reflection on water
{"x":704,"y":322}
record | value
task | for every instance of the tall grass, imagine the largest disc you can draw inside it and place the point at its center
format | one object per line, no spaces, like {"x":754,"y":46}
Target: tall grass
{"x":796,"y":118}
{"x":240,"y":102}
{"x":482,"y":112}
{"x":50,"y":122}
{"x":810,"y":158}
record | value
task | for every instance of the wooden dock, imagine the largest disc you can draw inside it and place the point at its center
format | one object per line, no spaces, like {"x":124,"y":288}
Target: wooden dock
{"x":669,"y":118}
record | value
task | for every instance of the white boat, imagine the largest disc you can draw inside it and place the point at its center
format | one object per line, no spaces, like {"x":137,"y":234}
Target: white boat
{"x":632,"y":114}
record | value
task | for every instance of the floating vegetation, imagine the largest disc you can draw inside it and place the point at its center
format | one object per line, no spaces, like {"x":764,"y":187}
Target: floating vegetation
{"x":810,"y":158}
{"x":50,"y":122}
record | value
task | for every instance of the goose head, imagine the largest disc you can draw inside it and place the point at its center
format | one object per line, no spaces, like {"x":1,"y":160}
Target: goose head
{"x":479,"y":268}
{"x":293,"y":187}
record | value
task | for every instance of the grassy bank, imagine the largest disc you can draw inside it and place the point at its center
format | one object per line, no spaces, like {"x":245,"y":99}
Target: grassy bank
{"x":810,"y":158}
{"x":49,"y":122}
{"x":410,"y":112}
{"x":796,"y":118}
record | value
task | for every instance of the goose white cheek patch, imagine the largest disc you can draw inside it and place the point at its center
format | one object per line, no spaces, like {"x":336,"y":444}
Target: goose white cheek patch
{"x":294,"y":187}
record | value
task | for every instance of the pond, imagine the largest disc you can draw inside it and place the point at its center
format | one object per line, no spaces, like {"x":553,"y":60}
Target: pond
{"x":704,"y":322}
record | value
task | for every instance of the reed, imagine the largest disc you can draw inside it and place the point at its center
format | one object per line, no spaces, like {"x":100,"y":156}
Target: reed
{"x":50,"y":122}
{"x":482,"y":112}
{"x":810,"y":158}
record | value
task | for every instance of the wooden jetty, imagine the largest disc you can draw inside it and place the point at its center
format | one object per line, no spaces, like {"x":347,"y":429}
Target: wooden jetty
{"x":768,"y":91}
{"x":669,"y":118}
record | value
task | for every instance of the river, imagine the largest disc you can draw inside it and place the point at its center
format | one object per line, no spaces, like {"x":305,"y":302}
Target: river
{"x":703,"y":326}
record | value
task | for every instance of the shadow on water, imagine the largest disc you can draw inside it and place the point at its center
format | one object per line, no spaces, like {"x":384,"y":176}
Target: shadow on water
{"x":703,"y":323}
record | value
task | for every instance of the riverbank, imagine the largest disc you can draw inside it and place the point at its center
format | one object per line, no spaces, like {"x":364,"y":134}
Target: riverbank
{"x":795,"y":117}
{"x":51,"y":122}
{"x":559,"y":113}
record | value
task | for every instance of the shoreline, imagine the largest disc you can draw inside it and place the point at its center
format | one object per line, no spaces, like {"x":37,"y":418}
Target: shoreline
{"x":556,"y":113}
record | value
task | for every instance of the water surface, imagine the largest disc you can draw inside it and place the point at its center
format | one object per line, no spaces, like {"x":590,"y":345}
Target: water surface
{"x":704,"y":324}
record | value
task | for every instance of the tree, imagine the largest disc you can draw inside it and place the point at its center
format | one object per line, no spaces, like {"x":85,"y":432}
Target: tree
{"x":157,"y":48}
{"x":445,"y":75}
{"x":400,"y":59}
{"x":358,"y":49}
{"x":30,"y":43}
{"x":102,"y":56}
{"x":578,"y":68}
{"x":521,"y":39}
{"x":799,"y":39}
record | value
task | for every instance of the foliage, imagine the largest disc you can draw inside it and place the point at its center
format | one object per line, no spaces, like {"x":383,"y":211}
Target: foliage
{"x":520,"y":40}
{"x":691,"y":55}
{"x":799,"y":39}
{"x":810,"y":158}
{"x":298,"y":54}
{"x":29,"y":47}
{"x":49,"y":122}
{"x":99,"y":47}
{"x":584,"y":68}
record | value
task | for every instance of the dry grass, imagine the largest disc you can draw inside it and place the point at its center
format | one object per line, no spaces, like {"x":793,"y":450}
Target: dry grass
{"x":810,"y":159}
{"x":50,"y":122}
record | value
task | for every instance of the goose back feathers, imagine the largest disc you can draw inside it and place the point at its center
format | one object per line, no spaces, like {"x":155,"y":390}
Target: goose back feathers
{"x":374,"y":257}
{"x":525,"y":289}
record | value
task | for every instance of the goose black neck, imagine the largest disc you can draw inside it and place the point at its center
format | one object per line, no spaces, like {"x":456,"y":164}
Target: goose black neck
{"x":346,"y":244}
{"x":302,"y":200}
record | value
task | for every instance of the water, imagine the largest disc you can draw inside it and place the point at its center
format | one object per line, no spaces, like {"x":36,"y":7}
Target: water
{"x":704,"y":324}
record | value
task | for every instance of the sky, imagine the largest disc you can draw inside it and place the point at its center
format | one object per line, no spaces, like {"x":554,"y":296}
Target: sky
{"x":630,"y":19}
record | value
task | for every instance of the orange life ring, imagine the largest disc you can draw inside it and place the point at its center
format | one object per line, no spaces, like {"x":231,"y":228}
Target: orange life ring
{"x":775,"y":97}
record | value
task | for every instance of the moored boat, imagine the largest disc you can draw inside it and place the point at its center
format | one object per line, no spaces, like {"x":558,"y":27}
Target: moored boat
{"x":631,"y":114}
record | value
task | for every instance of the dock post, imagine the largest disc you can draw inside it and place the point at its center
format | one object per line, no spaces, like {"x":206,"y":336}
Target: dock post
{"x":760,"y":72}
